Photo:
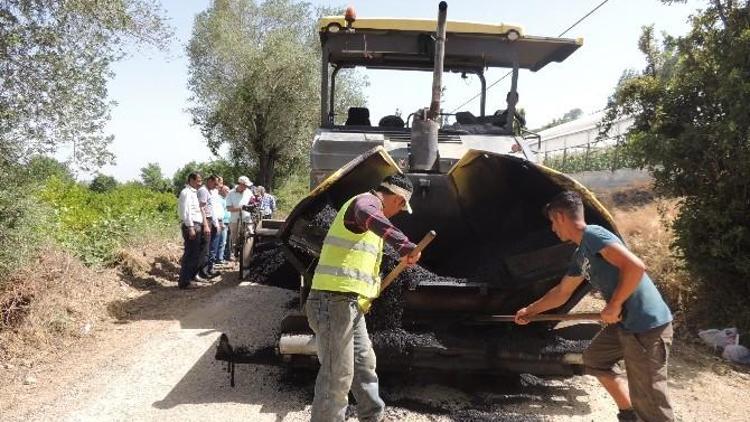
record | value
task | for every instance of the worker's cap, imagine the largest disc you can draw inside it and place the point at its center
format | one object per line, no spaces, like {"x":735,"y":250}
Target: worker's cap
{"x":244,"y":180}
{"x":400,"y":185}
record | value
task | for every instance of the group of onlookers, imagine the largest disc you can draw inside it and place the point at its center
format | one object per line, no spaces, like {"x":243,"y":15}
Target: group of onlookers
{"x":210,"y":219}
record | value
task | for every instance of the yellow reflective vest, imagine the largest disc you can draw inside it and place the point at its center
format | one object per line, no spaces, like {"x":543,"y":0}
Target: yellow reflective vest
{"x":350,"y":262}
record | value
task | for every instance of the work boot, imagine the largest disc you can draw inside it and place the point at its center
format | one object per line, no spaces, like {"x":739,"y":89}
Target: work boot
{"x":207,"y":276}
{"x":627,"y":415}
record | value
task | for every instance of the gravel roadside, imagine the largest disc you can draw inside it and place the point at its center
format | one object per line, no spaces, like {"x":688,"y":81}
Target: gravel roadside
{"x":162,"y":368}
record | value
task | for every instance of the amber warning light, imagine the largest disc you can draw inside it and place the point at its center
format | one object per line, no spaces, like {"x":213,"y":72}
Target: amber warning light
{"x":350,"y":16}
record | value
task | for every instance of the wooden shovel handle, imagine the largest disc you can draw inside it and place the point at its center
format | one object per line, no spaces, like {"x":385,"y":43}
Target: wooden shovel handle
{"x":583,"y":316}
{"x":402,"y":264}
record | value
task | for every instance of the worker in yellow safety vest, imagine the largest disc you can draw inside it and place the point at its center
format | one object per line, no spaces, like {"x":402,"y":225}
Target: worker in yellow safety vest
{"x":347,"y":276}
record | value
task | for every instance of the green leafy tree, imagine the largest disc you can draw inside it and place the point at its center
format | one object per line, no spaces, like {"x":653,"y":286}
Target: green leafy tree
{"x":152,"y":178}
{"x":692,"y":130}
{"x":254,"y":76}
{"x":55,"y":60}
{"x":103,"y":183}
{"x":228,"y":170}
{"x":39,"y":168}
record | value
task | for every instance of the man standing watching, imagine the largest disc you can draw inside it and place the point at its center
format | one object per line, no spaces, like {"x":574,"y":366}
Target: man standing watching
{"x":225,"y":219}
{"x":205,"y":199}
{"x":349,"y":269}
{"x":217,"y":204}
{"x":267,"y":202}
{"x":237,"y":198}
{"x":193,"y":230}
{"x":639,"y":329}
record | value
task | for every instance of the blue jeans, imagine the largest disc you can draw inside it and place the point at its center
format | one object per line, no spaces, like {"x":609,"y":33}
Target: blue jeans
{"x":210,"y":249}
{"x":347,"y":360}
{"x":228,"y":244}
{"x":222,"y":243}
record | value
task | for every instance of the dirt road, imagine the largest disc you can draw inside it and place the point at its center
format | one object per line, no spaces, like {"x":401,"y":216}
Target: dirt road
{"x":157,"y":364}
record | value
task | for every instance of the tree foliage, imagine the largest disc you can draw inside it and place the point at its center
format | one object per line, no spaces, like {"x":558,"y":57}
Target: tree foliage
{"x":228,"y":170}
{"x":103,"y":183}
{"x":254,"y":76}
{"x":154,"y":179}
{"x":55,"y":59}
{"x":21,"y":216}
{"x":692,"y":130}
{"x":39,"y":168}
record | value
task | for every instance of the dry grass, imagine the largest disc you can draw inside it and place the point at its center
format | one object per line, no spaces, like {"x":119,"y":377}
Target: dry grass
{"x":57,"y":301}
{"x":646,"y":229}
{"x":62,"y":300}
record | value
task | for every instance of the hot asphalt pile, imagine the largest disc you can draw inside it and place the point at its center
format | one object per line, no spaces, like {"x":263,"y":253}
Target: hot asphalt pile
{"x":397,"y":343}
{"x":270,"y":267}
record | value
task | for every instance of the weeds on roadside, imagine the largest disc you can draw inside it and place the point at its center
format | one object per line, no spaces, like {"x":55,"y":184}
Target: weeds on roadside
{"x":95,"y":225}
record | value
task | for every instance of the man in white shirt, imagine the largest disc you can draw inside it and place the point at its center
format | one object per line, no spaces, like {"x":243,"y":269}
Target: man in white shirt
{"x":217,"y":203}
{"x":205,"y":199}
{"x":238,"y":197}
{"x":195,"y":230}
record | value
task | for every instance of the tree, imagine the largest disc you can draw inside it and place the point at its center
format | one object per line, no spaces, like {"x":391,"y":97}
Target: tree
{"x":55,"y":59}
{"x":152,"y":178}
{"x":254,"y":76}
{"x":224,"y":168}
{"x":103,"y":183}
{"x":692,"y":130}
{"x":39,"y":168}
{"x":569,"y":116}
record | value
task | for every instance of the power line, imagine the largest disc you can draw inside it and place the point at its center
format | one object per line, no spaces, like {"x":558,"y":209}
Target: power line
{"x":582,"y":19}
{"x":509,"y":73}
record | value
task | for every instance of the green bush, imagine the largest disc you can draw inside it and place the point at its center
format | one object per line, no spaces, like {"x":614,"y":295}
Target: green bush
{"x":94,"y":225}
{"x":610,"y":158}
{"x":22,"y":219}
{"x":291,"y":191}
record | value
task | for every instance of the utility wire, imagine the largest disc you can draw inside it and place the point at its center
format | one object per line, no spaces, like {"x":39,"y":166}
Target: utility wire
{"x":509,"y":73}
{"x":584,"y":17}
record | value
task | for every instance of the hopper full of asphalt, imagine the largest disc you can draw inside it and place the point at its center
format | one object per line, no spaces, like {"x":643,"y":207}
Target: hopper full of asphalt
{"x":390,"y":335}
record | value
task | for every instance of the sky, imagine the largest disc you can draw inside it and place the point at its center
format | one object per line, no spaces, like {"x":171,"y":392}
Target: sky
{"x":151,"y":124}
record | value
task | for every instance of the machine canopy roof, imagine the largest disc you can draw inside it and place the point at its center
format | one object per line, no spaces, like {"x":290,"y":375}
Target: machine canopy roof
{"x":408,"y":44}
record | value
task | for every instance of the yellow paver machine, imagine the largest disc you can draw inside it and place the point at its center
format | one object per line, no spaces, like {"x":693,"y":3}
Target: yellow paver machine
{"x":476,"y":185}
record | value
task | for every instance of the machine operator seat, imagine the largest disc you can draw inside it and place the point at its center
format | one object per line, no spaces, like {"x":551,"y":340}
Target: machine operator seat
{"x":358,"y":116}
{"x":466,"y":118}
{"x":391,"y":121}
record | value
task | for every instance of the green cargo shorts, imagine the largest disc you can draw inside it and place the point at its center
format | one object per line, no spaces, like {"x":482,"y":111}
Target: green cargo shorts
{"x":646,"y":355}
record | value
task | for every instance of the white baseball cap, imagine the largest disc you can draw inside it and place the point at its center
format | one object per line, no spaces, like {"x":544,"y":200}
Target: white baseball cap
{"x":400,"y":192}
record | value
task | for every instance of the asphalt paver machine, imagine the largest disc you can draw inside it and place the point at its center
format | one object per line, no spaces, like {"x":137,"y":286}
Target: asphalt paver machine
{"x":476,"y":185}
